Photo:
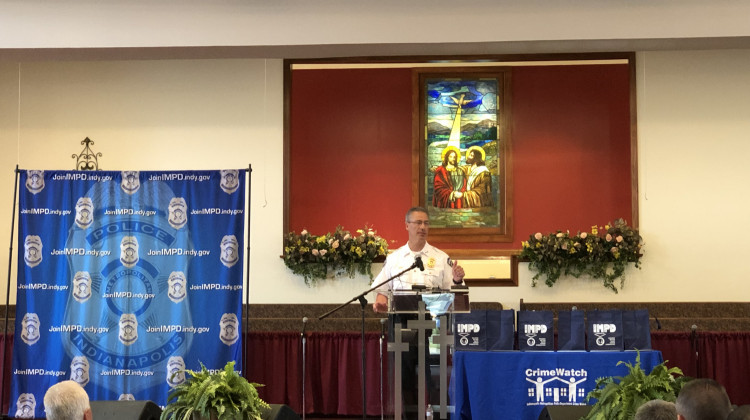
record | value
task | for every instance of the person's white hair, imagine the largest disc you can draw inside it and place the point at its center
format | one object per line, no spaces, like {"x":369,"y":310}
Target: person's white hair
{"x":66,"y":400}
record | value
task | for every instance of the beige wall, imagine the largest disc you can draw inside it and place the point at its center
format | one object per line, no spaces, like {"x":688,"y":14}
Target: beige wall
{"x":693,"y":120}
{"x":120,"y":23}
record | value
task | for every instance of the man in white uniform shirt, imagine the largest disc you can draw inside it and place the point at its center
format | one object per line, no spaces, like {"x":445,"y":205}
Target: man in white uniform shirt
{"x":439,"y":272}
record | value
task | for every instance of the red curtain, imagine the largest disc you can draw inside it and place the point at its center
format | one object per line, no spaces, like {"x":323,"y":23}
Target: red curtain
{"x":723,"y":356}
{"x":333,"y":378}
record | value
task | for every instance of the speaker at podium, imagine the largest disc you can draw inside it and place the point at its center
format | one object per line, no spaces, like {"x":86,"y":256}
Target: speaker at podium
{"x":564,"y":412}
{"x":125,"y":410}
{"x":279,"y":412}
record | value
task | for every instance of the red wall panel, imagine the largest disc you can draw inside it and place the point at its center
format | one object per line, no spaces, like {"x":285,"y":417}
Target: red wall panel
{"x":350,"y":149}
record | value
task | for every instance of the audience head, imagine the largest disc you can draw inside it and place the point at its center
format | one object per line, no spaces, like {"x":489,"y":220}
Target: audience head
{"x":67,"y":401}
{"x":703,"y":399}
{"x":740,"y":413}
{"x":656,"y":410}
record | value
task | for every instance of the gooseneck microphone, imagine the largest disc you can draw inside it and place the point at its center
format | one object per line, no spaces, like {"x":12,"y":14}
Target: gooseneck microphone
{"x":304,"y":325}
{"x":418,"y":263}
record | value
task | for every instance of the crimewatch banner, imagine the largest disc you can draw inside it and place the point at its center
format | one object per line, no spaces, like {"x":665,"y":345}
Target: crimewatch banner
{"x":125,"y":278}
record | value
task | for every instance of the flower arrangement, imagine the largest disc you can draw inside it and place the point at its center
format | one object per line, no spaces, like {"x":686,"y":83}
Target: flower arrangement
{"x":312,"y":256}
{"x":602,"y":253}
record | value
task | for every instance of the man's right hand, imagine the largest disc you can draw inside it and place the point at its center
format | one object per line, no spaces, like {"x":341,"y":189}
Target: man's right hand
{"x":381,"y":304}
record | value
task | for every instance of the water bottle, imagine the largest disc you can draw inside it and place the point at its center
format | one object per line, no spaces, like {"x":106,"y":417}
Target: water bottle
{"x":428,"y":412}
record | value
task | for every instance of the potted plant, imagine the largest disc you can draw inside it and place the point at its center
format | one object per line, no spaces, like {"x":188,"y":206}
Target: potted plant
{"x":618,"y":397}
{"x":224,"y":395}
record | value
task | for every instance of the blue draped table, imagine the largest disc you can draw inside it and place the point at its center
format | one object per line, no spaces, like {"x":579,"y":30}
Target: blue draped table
{"x":517,"y":385}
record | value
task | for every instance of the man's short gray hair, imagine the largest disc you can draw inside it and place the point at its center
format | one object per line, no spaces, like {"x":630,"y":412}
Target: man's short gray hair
{"x":656,"y":410}
{"x":416,"y":209}
{"x":66,"y":401}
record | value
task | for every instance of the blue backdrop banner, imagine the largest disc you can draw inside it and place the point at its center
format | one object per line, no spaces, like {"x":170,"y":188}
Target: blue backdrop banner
{"x":124,"y":279}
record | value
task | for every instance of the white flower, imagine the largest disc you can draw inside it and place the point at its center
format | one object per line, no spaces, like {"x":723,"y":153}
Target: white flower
{"x":347,"y":237}
{"x":608,"y":237}
{"x":315,"y":252}
{"x":370,"y":233}
{"x":304,"y":232}
{"x":560,"y":234}
{"x":584,"y":235}
{"x":323,"y":252}
{"x":538,"y":236}
{"x":619,"y":238}
{"x":335,"y":244}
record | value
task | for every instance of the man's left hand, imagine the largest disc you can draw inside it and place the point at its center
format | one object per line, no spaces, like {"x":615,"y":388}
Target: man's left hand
{"x":458,"y":273}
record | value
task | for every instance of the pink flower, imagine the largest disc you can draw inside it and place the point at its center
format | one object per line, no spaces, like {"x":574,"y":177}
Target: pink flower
{"x":584,"y":235}
{"x":335,"y":244}
{"x":323,"y":252}
{"x":304,"y":232}
{"x":614,"y":250}
{"x":619,"y":238}
{"x":564,"y":245}
{"x":608,"y":237}
{"x":315,"y":252}
{"x":538,"y":236}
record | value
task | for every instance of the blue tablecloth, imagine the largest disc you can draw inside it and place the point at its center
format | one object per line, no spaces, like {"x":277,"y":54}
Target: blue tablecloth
{"x":517,"y":385}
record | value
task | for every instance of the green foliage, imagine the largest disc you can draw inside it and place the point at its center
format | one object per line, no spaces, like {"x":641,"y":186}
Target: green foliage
{"x":312,"y":256}
{"x":599,"y":254}
{"x":618,"y":397}
{"x":225,"y":393}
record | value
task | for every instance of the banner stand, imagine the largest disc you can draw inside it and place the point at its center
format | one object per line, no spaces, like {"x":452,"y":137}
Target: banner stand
{"x":246,"y":304}
{"x":7,"y":298}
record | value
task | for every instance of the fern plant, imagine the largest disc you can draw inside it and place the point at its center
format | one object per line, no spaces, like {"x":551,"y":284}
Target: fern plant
{"x":225,"y":395}
{"x":618,"y":397}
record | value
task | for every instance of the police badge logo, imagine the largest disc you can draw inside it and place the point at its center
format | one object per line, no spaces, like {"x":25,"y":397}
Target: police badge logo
{"x":34,"y":181}
{"x":84,"y":212}
{"x":129,"y":251}
{"x":177,"y":289}
{"x":229,"y":327}
{"x":126,"y":397}
{"x":82,"y":286}
{"x":131,"y":182}
{"x":79,"y":370}
{"x":229,"y":250}
{"x":32,"y":250}
{"x":25,"y":406}
{"x":177,"y":212}
{"x":30,"y":328}
{"x":128,"y":329}
{"x":431,"y":262}
{"x":230,"y":180}
{"x":175,"y":371}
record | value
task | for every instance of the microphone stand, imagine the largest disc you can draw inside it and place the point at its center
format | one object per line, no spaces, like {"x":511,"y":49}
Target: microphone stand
{"x":380,"y":349}
{"x":304,"y":364}
{"x":363,"y":303}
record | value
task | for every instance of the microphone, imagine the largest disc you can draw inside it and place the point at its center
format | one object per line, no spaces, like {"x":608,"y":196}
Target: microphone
{"x":382,"y":327}
{"x":658,"y":324}
{"x":418,"y":263}
{"x":304,"y":325}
